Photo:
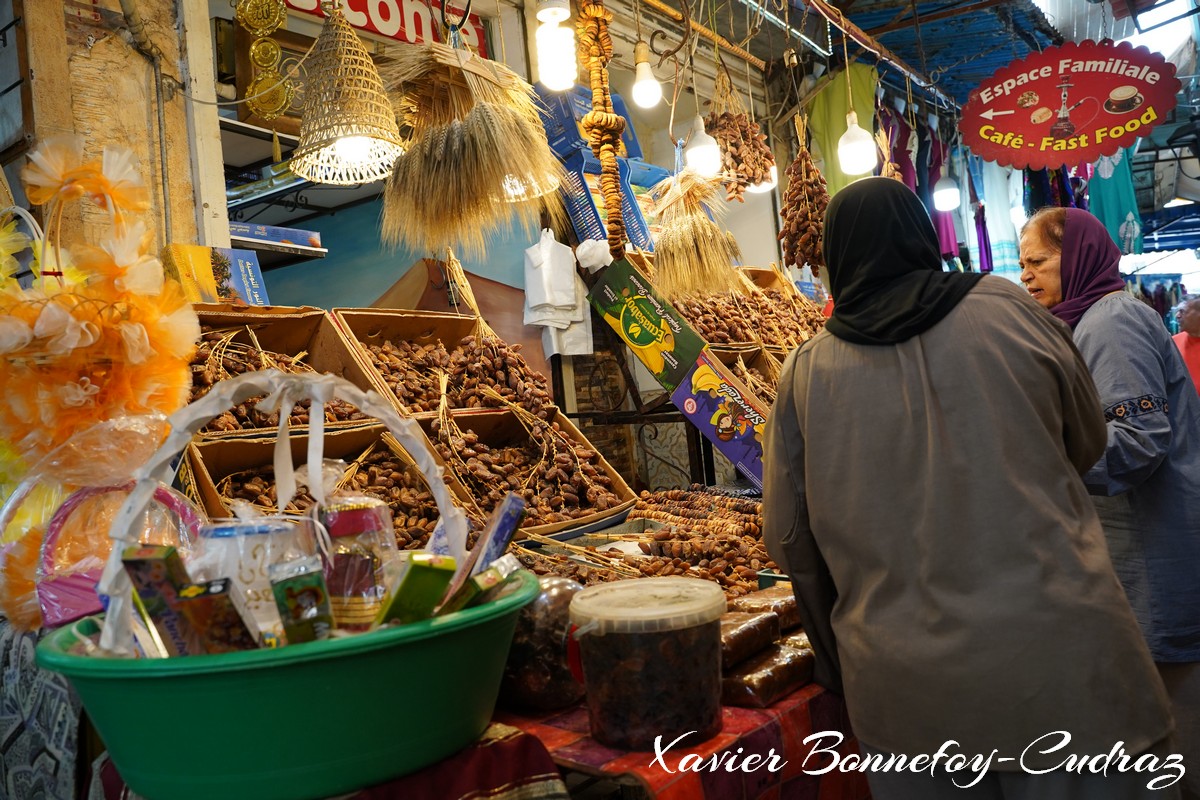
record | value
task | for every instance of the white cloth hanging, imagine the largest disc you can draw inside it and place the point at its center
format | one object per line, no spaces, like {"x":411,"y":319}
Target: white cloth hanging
{"x":576,"y":338}
{"x":1001,"y":232}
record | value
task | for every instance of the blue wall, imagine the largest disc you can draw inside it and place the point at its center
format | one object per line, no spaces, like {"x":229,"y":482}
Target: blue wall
{"x":359,"y":268}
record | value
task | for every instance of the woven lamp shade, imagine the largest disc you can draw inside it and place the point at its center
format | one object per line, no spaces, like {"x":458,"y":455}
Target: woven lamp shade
{"x":348,"y":133}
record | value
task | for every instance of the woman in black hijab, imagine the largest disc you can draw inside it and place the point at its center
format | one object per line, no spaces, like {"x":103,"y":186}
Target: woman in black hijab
{"x":885,"y":270}
{"x":922,"y":491}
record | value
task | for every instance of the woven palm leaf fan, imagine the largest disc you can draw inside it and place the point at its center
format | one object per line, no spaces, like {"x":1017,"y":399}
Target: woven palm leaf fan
{"x":693,"y":256}
{"x":478,"y":161}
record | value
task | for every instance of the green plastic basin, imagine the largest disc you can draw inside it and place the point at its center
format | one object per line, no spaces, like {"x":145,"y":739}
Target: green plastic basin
{"x":306,"y":721}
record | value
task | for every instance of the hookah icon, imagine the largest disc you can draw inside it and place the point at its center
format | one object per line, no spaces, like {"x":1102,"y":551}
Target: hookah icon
{"x":1063,"y":127}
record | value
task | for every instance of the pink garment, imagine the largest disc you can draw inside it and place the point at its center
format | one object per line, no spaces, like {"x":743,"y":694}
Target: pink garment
{"x":943,"y":221}
{"x":902,"y":141}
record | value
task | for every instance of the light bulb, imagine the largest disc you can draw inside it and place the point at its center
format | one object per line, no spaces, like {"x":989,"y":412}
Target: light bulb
{"x":647,"y":91}
{"x":703,"y":154}
{"x":767,"y":185}
{"x":352,"y":149}
{"x":856,"y":148}
{"x":946,"y":195}
{"x":553,"y":10}
{"x":556,"y":56}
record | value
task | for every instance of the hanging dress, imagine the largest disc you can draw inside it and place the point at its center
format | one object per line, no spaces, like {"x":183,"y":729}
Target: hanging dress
{"x":1114,"y":202}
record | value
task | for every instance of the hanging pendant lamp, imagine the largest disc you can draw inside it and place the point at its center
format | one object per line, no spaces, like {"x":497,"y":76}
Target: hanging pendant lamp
{"x":348,"y":133}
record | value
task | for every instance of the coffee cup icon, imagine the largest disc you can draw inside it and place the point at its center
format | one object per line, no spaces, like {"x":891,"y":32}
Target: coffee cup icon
{"x":1123,"y":99}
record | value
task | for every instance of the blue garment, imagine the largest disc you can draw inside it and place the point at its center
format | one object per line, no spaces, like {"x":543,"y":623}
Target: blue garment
{"x":1146,"y":486}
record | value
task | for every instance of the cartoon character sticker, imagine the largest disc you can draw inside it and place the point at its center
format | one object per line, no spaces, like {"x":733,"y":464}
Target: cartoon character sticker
{"x":731,"y":421}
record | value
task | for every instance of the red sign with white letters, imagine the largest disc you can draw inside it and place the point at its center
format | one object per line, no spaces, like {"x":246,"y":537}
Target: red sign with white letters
{"x":403,"y":20}
{"x":1069,"y":105}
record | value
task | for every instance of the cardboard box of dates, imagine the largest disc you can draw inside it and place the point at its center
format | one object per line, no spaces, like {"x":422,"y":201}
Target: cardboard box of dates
{"x":758,"y":370}
{"x":568,"y":486}
{"x":768,"y":311}
{"x":407,"y":353}
{"x":243,"y":468}
{"x":726,"y":412}
{"x":238,"y":339}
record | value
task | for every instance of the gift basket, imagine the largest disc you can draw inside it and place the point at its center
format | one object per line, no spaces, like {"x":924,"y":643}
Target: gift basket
{"x":319,"y":716}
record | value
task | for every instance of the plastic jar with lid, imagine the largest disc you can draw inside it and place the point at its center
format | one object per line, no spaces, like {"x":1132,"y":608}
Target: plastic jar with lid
{"x":537,"y":675}
{"x":651,"y":653}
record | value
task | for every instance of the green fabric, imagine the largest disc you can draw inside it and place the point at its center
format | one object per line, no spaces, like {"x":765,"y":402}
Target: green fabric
{"x":1112,"y":199}
{"x":827,"y":119}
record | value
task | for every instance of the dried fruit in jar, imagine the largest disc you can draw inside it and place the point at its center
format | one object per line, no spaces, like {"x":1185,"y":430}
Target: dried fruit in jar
{"x":536,"y":675}
{"x":663,"y":683}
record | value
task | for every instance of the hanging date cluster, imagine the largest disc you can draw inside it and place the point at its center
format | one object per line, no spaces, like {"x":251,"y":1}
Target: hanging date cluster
{"x":803,"y":210}
{"x":746,"y":158}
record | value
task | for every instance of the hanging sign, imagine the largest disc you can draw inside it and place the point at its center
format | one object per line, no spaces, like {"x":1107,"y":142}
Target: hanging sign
{"x":409,"y":21}
{"x":1069,"y":105}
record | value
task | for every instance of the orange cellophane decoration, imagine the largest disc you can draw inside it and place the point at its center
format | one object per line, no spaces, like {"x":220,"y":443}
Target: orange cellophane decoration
{"x":101,"y":333}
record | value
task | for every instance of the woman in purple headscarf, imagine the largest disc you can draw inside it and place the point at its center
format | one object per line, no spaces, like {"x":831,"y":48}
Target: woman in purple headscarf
{"x":1146,"y":486}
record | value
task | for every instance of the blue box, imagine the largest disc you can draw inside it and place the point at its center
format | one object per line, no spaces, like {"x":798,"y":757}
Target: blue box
{"x":581,"y":195}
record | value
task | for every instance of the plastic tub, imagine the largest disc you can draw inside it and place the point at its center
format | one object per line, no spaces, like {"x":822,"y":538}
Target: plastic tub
{"x":651,"y":654}
{"x":309,"y":720}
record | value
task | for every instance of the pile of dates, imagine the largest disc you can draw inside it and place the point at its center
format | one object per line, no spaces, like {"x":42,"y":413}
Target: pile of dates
{"x":218,"y":359}
{"x":560,"y":479}
{"x":716,"y":537}
{"x":257,"y":486}
{"x":415,"y":372}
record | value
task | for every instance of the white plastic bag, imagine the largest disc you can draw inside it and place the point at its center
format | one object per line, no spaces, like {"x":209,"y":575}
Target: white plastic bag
{"x":576,"y":338}
{"x":593,"y":254}
{"x":549,"y":273}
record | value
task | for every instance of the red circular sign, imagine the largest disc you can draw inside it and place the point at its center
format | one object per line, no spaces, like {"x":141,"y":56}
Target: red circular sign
{"x":1069,"y":104}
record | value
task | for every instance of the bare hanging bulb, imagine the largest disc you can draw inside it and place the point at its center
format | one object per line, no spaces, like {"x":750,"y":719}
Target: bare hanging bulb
{"x":856,"y":148}
{"x":647,"y":91}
